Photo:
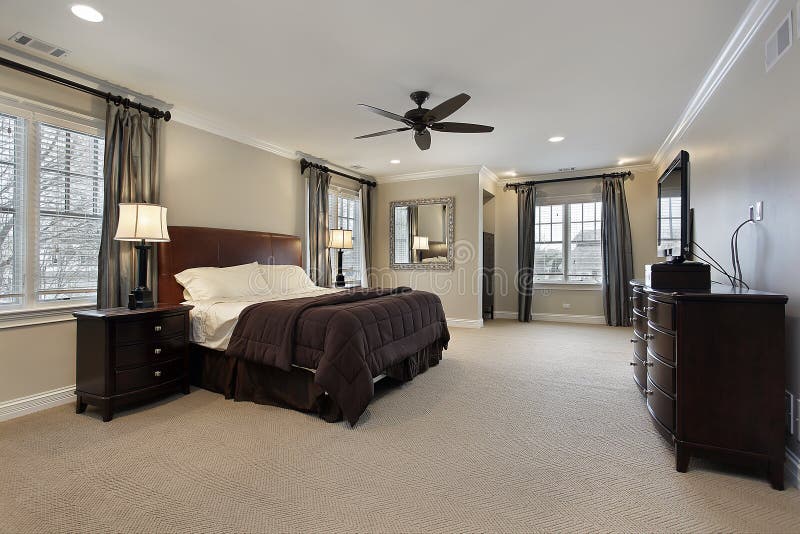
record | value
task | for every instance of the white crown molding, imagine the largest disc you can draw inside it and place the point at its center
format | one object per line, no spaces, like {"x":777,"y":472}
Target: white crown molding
{"x":644,"y":167}
{"x":465,"y":323}
{"x":426,"y":175}
{"x":752,"y":20}
{"x":321,"y":161}
{"x":201,"y":122}
{"x":35,"y":403}
{"x":486,"y":172}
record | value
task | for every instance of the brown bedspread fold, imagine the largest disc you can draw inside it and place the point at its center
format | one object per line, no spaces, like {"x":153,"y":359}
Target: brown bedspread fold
{"x":348,"y":337}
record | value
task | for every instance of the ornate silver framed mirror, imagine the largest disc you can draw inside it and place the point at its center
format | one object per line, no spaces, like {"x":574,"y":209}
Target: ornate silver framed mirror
{"x":421,"y":234}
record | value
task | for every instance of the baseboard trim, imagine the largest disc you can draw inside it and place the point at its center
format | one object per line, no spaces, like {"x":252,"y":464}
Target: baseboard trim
{"x":465,"y":323}
{"x":555,"y":317}
{"x":34,"y":403}
{"x":791,"y":469}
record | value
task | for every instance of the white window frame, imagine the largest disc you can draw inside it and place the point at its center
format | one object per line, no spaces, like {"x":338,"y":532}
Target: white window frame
{"x":30,"y":310}
{"x":357,"y":235}
{"x":566,"y":242}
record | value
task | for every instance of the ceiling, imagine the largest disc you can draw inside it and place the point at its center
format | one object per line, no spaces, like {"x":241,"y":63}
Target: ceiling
{"x":612,"y":77}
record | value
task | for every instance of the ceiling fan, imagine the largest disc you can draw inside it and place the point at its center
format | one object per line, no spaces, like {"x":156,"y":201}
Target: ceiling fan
{"x":422,"y":120}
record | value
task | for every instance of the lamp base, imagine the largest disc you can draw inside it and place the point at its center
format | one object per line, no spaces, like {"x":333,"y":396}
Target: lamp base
{"x":141,"y":297}
{"x":339,"y":280}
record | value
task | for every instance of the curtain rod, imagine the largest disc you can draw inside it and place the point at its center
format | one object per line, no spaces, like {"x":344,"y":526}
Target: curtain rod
{"x":304,"y":164}
{"x":116,"y":99}
{"x":537,"y":182}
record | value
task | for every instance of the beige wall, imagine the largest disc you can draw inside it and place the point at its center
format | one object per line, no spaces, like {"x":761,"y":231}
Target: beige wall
{"x":744,"y":146}
{"x":641,"y":193}
{"x":207,"y":180}
{"x":458,"y":289}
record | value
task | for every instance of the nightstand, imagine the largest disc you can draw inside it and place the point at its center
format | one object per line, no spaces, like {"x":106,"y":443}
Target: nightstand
{"x":127,"y":356}
{"x":347,"y":285}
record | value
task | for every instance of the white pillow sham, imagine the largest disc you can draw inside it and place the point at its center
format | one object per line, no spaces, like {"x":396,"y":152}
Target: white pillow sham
{"x":285,"y":278}
{"x":214,"y":282}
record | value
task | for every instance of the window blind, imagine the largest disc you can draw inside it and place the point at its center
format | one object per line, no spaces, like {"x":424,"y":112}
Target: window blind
{"x":402,"y":247}
{"x":12,"y":213}
{"x":70,"y":211}
{"x":344,"y":212}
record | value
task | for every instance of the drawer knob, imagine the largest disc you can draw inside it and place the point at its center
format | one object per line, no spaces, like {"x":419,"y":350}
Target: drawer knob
{"x":157,"y":328}
{"x":649,"y":336}
{"x":632,"y":363}
{"x":648,"y":392}
{"x":632,"y":299}
{"x":634,"y":340}
{"x":156,"y":351}
{"x":648,"y":364}
{"x":649,"y":308}
{"x":157,"y":374}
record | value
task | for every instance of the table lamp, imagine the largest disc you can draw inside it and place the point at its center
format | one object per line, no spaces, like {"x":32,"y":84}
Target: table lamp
{"x":340,"y":239}
{"x":420,"y":242}
{"x":142,"y":223}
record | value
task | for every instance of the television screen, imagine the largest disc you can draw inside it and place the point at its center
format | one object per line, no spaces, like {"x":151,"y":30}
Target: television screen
{"x":673,"y":209}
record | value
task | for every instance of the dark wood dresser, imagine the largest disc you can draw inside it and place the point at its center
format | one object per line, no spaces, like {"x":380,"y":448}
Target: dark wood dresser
{"x":127,"y":356}
{"x":712,"y":368}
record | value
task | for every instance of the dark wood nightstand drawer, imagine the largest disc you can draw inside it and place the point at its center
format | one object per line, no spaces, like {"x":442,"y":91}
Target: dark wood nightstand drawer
{"x":661,"y":406}
{"x":138,"y":330}
{"x":661,"y":343}
{"x":661,"y":374}
{"x":155,"y":351}
{"x":149,"y":375}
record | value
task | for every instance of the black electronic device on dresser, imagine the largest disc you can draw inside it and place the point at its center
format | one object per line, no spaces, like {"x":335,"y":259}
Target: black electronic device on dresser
{"x":127,"y":356}
{"x":711,"y":365}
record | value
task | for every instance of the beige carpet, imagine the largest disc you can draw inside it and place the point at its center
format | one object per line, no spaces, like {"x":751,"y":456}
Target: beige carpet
{"x":521,"y":428}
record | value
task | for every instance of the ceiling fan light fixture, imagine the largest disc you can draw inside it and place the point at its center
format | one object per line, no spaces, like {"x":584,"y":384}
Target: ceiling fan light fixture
{"x":556,"y":138}
{"x":87,"y":13}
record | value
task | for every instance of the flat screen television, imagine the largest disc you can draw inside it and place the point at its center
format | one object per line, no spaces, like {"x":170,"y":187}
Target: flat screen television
{"x":673,"y":210}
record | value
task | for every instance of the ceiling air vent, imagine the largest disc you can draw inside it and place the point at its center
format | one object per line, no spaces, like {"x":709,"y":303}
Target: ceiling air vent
{"x":566,"y":169}
{"x":779,"y":42}
{"x":38,"y":45}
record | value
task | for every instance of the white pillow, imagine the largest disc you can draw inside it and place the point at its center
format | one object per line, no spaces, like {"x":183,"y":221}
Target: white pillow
{"x":285,"y":278}
{"x":213,"y":282}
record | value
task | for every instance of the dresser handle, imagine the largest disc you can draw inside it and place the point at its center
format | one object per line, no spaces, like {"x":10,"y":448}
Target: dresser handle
{"x":157,"y":374}
{"x":648,"y":391}
{"x":632,"y":363}
{"x":648,"y":308}
{"x":649,"y":336}
{"x":634,"y":340}
{"x":648,"y":364}
{"x":156,"y":351}
{"x":632,"y":299}
{"x":157,"y":328}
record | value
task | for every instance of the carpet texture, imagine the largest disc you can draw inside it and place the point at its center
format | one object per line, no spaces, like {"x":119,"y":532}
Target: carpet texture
{"x":522,"y":427}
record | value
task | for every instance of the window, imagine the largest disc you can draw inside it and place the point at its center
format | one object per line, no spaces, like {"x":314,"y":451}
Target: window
{"x":51,"y":208}
{"x":402,"y":248}
{"x":568,"y":246}
{"x":344,"y":211}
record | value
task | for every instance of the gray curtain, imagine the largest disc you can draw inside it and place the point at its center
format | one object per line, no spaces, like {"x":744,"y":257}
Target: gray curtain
{"x":617,"y":253}
{"x":319,"y":265}
{"x":526,"y":215}
{"x":130,"y":172}
{"x":366,"y":236}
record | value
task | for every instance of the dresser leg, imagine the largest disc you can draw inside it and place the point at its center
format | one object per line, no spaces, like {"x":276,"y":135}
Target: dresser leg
{"x":776,"y":474}
{"x":681,"y":458}
{"x":108,"y":412}
{"x":80,"y":406}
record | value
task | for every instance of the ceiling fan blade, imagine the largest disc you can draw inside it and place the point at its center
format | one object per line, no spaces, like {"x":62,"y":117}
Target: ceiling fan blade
{"x":385,"y":132}
{"x":461,"y":127}
{"x":387,"y":114}
{"x":446,"y":108}
{"x":423,"y":139}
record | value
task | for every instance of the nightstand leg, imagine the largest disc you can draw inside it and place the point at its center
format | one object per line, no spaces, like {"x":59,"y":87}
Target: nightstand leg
{"x":80,"y":406}
{"x":108,"y":411}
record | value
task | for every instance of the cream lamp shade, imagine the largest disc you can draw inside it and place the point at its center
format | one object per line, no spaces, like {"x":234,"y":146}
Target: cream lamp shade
{"x":420,"y":242}
{"x":340,"y":238}
{"x":142,"y":222}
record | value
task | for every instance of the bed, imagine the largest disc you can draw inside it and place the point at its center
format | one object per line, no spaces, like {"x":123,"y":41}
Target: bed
{"x":317,"y":351}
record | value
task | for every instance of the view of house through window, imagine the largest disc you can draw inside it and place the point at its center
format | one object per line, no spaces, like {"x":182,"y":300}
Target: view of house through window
{"x":344,"y":212}
{"x":567,"y":243}
{"x":51,"y":208}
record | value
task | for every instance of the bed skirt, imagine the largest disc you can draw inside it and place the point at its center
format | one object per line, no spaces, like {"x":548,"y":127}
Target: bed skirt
{"x":241,"y":380}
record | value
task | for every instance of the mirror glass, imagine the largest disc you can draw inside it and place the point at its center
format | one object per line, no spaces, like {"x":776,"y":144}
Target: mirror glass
{"x":422,"y":234}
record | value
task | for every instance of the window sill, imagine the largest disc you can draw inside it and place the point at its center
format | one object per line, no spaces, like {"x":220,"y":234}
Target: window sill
{"x":41,"y":315}
{"x":568,"y":286}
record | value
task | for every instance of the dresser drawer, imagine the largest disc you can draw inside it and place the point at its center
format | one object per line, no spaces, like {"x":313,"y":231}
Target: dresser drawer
{"x":639,"y":347}
{"x":148,"y":375}
{"x":661,"y":406}
{"x":639,"y":322}
{"x":149,"y":328}
{"x":639,"y":299}
{"x":661,"y":313}
{"x":639,"y":372}
{"x":158,"y":350}
{"x":661,"y":374}
{"x":661,"y":343}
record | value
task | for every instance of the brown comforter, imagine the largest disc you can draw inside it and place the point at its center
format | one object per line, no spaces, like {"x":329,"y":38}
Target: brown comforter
{"x":348,"y":337}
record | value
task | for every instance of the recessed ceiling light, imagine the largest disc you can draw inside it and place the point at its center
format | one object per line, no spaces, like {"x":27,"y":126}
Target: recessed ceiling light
{"x":87,"y":13}
{"x":556,"y":139}
{"x":394,"y":161}
{"x":624,"y":161}
{"x":511,"y":173}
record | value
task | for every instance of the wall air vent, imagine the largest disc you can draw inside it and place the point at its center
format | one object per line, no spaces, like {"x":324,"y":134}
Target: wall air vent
{"x":566,"y":169}
{"x":778,"y":43}
{"x":38,"y":45}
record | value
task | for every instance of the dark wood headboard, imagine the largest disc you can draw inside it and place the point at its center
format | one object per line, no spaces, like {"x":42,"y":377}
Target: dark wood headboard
{"x":194,"y":246}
